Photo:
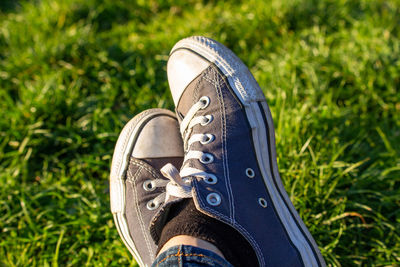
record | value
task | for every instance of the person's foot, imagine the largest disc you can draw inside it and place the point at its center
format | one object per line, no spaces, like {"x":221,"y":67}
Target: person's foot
{"x":230,"y":157}
{"x":137,"y":189}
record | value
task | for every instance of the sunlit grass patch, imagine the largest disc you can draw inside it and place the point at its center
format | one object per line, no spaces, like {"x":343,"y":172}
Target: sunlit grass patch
{"x":72,"y":73}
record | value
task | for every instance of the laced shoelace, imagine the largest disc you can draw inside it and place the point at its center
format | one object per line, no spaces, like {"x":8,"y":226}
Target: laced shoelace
{"x":179,"y":182}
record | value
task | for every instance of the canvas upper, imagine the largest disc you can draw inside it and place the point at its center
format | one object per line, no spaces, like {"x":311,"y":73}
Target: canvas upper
{"x":137,"y":188}
{"x":230,"y":157}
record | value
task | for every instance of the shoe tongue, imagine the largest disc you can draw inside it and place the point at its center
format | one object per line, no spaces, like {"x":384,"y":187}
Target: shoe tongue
{"x":158,"y":163}
{"x":189,"y":97}
{"x":159,"y":219}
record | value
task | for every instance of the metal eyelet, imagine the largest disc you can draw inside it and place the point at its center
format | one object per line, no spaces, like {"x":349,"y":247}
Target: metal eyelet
{"x":206,"y":158}
{"x":213,"y":199}
{"x":250,"y":173}
{"x":149,"y":185}
{"x":208,"y":138}
{"x":151,"y":205}
{"x":209,"y":118}
{"x":211,"y":179}
{"x":205,"y":100}
{"x":263,"y":203}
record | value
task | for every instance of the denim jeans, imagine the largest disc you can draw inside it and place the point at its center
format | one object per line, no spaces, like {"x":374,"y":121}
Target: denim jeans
{"x":183,"y":256}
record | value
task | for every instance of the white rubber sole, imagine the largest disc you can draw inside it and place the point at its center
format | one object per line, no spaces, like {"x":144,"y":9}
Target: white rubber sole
{"x":122,"y":153}
{"x":251,"y":96}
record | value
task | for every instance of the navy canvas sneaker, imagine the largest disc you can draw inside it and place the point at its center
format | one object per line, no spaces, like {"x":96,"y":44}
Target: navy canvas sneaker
{"x":137,"y":188}
{"x":230,"y":167}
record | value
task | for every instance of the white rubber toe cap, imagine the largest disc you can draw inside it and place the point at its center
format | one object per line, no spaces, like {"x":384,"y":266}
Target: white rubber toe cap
{"x":183,"y":67}
{"x":159,"y":138}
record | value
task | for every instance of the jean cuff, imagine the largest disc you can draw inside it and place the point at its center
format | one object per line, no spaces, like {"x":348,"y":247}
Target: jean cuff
{"x":184,"y":255}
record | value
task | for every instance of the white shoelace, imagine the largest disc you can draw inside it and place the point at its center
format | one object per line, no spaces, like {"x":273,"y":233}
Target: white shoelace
{"x":179,"y":182}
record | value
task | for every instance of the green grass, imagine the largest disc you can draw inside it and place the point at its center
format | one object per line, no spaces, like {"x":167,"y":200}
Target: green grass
{"x":72,"y":73}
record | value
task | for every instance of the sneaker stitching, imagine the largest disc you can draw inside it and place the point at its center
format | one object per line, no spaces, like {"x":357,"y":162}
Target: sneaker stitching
{"x":141,"y":222}
{"x":225,"y":152}
{"x":196,"y":92}
{"x":179,"y":254}
{"x":235,"y":224}
{"x":216,"y":83}
{"x":210,"y":71}
{"x":145,"y":166}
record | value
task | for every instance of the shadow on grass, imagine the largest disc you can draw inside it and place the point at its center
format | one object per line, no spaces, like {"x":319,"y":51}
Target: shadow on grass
{"x":7,"y":6}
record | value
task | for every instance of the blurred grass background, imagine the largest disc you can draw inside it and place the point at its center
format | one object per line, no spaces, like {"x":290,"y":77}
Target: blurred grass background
{"x":73,"y":72}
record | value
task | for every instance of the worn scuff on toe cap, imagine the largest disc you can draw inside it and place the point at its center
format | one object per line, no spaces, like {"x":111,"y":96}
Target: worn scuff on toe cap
{"x":183,"y":67}
{"x":159,"y":138}
{"x":230,"y":65}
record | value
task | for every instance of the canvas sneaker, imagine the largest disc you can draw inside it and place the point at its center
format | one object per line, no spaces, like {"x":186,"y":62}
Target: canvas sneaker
{"x":230,"y":168}
{"x":137,"y":188}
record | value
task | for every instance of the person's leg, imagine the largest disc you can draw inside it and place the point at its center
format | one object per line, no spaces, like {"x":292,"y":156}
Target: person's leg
{"x":188,"y":240}
{"x":184,"y":219}
{"x":190,"y":255}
